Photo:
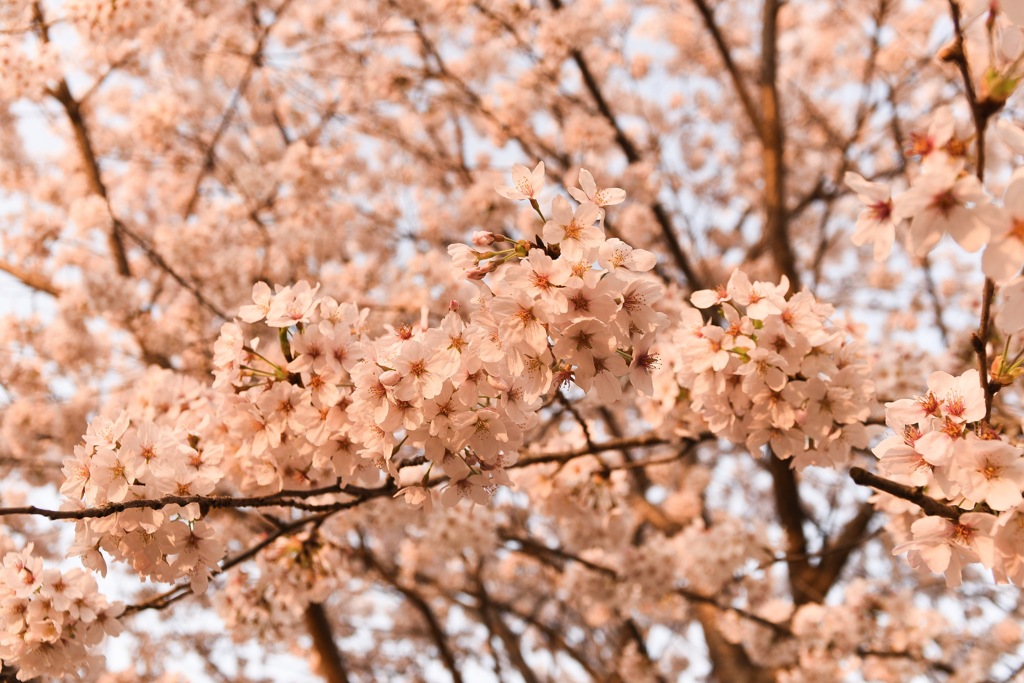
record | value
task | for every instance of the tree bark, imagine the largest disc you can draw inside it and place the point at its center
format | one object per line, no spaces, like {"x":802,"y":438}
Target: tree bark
{"x":332,"y":666}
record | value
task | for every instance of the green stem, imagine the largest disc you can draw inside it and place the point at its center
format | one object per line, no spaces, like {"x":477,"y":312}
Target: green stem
{"x":536,"y":207}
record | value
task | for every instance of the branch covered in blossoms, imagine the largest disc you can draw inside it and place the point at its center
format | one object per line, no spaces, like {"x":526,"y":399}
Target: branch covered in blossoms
{"x":331,"y":403}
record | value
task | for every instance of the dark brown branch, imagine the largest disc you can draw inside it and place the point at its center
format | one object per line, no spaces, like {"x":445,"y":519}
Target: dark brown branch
{"x":725,"y":53}
{"x":553,"y":634}
{"x":634,"y":634}
{"x":156,"y":259}
{"x":542,"y":552}
{"x":776,"y":228}
{"x":933,"y":294}
{"x":729,"y":660}
{"x":981,"y":111}
{"x":92,"y":171}
{"x":980,"y":341}
{"x":792,"y":517}
{"x":167,"y":598}
{"x":209,"y":155}
{"x":497,"y":626}
{"x":929,"y":505}
{"x":283,"y":499}
{"x":614,"y":445}
{"x":36,"y":281}
{"x":331,"y":665}
{"x":836,"y":553}
{"x":916,"y":657}
{"x":477,"y":103}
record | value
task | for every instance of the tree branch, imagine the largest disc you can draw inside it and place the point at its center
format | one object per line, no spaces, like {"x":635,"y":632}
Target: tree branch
{"x":792,"y":517}
{"x":729,"y":660}
{"x":331,"y":665}
{"x":929,"y":505}
{"x":746,"y":100}
{"x":836,"y":553}
{"x":282,"y":499}
{"x":981,"y":111}
{"x":37,"y":281}
{"x":776,"y":228}
{"x":421,"y":605}
{"x":632,"y":154}
{"x":496,"y":625}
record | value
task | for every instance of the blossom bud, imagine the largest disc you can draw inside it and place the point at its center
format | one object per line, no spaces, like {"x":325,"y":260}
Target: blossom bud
{"x":1003,"y":374}
{"x":479,"y":273}
{"x":454,"y":306}
{"x":483,"y":238}
{"x":996,"y":87}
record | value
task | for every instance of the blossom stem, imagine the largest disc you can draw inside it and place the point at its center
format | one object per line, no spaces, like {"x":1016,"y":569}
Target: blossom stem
{"x":536,"y":207}
{"x":257,"y":371}
{"x":248,"y":349}
{"x":286,"y":347}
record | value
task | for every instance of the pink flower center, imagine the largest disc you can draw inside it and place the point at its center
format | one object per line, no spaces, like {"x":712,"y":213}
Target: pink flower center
{"x":880,"y":211}
{"x":945,"y":202}
{"x":1017,"y":230}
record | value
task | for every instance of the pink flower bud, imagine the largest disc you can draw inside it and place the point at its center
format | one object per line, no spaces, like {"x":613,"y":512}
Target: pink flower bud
{"x":479,"y":273}
{"x":483,"y":238}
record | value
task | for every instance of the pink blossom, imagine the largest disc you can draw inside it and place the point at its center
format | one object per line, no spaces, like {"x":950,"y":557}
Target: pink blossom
{"x":945,"y":200}
{"x":292,"y":305}
{"x":526,"y":184}
{"x":589,"y":192}
{"x":946,"y":547}
{"x":1010,"y":316}
{"x":1004,"y":255}
{"x":573,"y":231}
{"x":876,"y":223}
{"x":991,"y":471}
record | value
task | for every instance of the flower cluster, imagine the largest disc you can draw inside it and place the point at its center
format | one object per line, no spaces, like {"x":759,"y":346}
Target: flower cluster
{"x":774,"y":372}
{"x":285,"y":410}
{"x":943,"y":444}
{"x":336,"y":401}
{"x":290,"y":574}
{"x":944,"y":198}
{"x":24,"y":74}
{"x":120,"y":462}
{"x":49,"y":619}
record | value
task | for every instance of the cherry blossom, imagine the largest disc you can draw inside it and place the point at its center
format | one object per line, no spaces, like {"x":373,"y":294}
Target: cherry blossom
{"x":589,"y":192}
{"x":273,"y":337}
{"x":1004,"y":256}
{"x":573,"y":230}
{"x":944,"y":200}
{"x":876,"y":223}
{"x":526,"y":184}
{"x":946,"y":547}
